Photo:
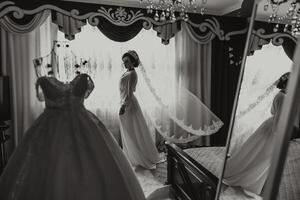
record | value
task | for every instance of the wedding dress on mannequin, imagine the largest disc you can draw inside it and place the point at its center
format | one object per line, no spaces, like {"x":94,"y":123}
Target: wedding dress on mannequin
{"x":68,"y":154}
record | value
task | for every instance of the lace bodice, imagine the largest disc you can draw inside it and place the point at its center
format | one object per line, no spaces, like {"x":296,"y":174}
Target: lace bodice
{"x":59,"y":95}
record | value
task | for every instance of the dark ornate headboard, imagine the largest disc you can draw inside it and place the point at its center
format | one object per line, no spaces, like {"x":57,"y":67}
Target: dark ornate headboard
{"x":188,"y":178}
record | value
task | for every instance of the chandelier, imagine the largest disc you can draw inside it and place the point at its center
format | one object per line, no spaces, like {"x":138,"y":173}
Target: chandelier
{"x":173,"y":10}
{"x":291,"y":19}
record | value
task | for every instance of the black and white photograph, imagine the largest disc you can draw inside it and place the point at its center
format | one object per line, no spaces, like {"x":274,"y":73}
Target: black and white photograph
{"x":150,"y":100}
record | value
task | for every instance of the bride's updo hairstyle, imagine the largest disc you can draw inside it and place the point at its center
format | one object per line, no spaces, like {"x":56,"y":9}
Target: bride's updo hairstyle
{"x":282,"y":81}
{"x":133,"y":56}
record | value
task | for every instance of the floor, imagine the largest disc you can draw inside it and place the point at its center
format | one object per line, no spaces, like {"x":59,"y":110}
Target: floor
{"x":152,"y":180}
{"x":153,"y":184}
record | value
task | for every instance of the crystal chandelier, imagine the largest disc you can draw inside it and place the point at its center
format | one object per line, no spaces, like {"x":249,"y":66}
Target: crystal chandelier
{"x":291,"y":19}
{"x":173,"y":9}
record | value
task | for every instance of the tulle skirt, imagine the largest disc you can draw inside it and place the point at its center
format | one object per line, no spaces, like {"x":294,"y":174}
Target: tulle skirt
{"x":68,"y":155}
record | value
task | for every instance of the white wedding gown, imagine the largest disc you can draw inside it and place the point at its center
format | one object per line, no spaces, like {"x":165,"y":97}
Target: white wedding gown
{"x":249,"y":166}
{"x":68,"y":154}
{"x":137,"y":142}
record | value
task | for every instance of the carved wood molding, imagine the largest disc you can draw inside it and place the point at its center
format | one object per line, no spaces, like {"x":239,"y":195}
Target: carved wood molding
{"x":120,"y":16}
{"x":276,"y":38}
{"x":209,"y":28}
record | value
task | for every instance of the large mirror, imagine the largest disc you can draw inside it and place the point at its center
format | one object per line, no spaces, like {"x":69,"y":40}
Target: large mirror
{"x":188,"y":72}
{"x":267,"y":67}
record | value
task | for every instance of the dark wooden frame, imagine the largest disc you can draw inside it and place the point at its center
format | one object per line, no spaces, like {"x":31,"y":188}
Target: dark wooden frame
{"x":189,"y":179}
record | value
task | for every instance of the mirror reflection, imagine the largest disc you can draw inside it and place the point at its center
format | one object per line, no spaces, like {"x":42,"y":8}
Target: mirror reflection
{"x":267,"y":69}
{"x":151,"y":112}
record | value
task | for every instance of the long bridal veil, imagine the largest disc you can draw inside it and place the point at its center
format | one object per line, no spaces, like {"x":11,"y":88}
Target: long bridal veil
{"x":262,"y":71}
{"x":176,"y":113}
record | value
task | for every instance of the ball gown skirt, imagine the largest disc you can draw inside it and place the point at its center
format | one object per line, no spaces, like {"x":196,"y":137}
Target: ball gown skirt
{"x":68,"y":154}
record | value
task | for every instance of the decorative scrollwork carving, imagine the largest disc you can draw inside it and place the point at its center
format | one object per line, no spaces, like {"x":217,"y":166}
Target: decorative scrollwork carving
{"x":6,"y":3}
{"x":19,"y":13}
{"x":228,"y":35}
{"x":118,"y":16}
{"x":202,"y":39}
{"x":210,"y":29}
{"x":276,"y":38}
{"x":7,"y":7}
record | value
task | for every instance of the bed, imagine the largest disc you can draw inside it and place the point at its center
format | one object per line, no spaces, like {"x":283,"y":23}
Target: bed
{"x":193,"y":174}
{"x":188,"y":178}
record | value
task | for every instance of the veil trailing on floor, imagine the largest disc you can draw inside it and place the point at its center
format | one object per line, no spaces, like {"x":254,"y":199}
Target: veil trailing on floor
{"x":251,"y":117}
{"x":177,"y":114}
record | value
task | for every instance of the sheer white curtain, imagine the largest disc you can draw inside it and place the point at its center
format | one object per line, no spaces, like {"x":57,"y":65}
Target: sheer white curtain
{"x":19,"y":46}
{"x":104,"y":64}
{"x":193,"y":69}
{"x":261,"y":71}
{"x":184,"y":62}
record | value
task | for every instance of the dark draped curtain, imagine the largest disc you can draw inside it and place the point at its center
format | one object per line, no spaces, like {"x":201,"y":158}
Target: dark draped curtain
{"x":66,"y":24}
{"x":119,"y":33}
{"x":226,"y":62}
{"x":23,"y":21}
{"x":1,"y":61}
{"x":289,"y":47}
{"x":167,"y":31}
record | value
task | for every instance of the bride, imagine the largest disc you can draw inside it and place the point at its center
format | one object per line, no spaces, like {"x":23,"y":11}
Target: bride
{"x":137,"y":143}
{"x":248,"y":167}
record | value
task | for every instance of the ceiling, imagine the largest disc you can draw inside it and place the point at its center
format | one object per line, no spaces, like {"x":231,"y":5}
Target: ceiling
{"x":213,"y":7}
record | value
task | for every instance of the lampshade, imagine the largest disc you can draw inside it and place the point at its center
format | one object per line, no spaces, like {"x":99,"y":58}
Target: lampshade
{"x":5,"y":109}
